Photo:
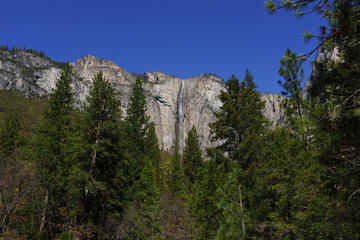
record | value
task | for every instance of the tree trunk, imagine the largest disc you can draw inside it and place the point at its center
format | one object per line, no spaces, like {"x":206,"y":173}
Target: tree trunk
{"x":43,"y":221}
{"x":242,"y":213}
{"x":94,"y":153}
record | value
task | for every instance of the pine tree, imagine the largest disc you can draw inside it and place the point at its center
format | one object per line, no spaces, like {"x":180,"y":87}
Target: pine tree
{"x":231,"y":204}
{"x":193,"y":159}
{"x":153,"y":152}
{"x":289,"y":187}
{"x":176,"y":181}
{"x":10,"y":133}
{"x":240,"y":122}
{"x":137,"y":126}
{"x":292,"y":73}
{"x":203,"y":201}
{"x":335,"y":86}
{"x":294,"y":105}
{"x":51,"y":137}
{"x":141,"y":218}
{"x":241,"y":127}
{"x":137,"y":122}
{"x":99,"y":152}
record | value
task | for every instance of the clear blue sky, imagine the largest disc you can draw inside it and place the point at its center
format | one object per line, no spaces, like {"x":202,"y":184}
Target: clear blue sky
{"x":178,"y":37}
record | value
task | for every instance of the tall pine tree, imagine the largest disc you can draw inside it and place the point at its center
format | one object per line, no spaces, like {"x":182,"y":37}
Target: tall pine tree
{"x":137,"y":126}
{"x":240,"y":121}
{"x":154,"y":154}
{"x":193,"y":159}
{"x":10,"y":133}
{"x":99,"y":153}
{"x":51,"y":137}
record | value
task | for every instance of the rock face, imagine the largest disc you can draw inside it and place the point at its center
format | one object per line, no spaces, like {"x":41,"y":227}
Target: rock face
{"x":174,"y":104}
{"x":322,"y":56}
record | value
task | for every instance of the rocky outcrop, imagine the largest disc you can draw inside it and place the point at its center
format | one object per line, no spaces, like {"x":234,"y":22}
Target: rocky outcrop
{"x":322,"y":56}
{"x":272,"y":109}
{"x":34,"y":76}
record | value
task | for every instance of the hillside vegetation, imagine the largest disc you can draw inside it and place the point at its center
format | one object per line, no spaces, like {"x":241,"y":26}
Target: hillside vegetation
{"x":30,"y":109}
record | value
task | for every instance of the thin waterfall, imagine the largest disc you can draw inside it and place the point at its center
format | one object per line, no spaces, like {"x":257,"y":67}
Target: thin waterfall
{"x":181,"y":115}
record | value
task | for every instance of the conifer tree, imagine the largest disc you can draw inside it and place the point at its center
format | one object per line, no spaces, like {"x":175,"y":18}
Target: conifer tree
{"x":137,"y":126}
{"x":153,"y":152}
{"x":51,"y":137}
{"x":290,"y":189}
{"x":145,"y":222}
{"x":99,"y":153}
{"x":176,"y":176}
{"x":231,"y":204}
{"x":240,"y":126}
{"x":203,"y":201}
{"x":137,"y":122}
{"x":193,"y":160}
{"x":10,"y":133}
{"x":241,"y":121}
{"x":335,"y":86}
{"x":294,"y":104}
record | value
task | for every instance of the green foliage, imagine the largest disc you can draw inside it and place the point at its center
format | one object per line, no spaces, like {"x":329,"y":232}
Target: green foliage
{"x":137,"y":122}
{"x":192,"y":158}
{"x":203,"y":200}
{"x":270,"y":6}
{"x":290,"y":183}
{"x":232,"y":207}
{"x":29,"y":109}
{"x":294,"y":104}
{"x":153,"y":152}
{"x":49,"y":143}
{"x":335,"y":89}
{"x":9,"y":134}
{"x":148,"y":194}
{"x":137,"y":127}
{"x":144,"y":217}
{"x":292,"y":73}
{"x":176,"y":178}
{"x":53,"y":128}
{"x":240,"y":122}
{"x":98,"y":153}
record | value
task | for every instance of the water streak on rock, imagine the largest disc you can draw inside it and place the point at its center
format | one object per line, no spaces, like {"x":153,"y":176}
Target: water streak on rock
{"x":181,"y":115}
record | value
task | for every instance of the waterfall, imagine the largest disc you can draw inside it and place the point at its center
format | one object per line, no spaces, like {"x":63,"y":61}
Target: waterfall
{"x":181,"y":115}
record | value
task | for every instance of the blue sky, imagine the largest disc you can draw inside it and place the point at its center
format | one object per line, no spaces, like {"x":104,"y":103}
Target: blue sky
{"x":179,"y":37}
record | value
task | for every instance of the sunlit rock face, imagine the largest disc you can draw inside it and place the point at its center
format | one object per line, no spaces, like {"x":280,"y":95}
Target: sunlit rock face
{"x":173,"y":104}
{"x":322,"y":56}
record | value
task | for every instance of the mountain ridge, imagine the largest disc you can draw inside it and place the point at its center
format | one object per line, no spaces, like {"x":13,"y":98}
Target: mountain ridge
{"x":35,"y":76}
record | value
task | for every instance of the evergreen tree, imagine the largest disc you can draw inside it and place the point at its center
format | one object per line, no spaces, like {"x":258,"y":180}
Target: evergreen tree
{"x":240,"y":121}
{"x":231,"y":205}
{"x":292,"y":73}
{"x":154,"y":154}
{"x":240,"y":126}
{"x":335,"y":86}
{"x":294,"y":105}
{"x":137,"y":122}
{"x":176,"y":181}
{"x":193,"y":160}
{"x":99,"y":152}
{"x":10,"y":133}
{"x":137,"y":126}
{"x":51,"y":137}
{"x":289,"y":187}
{"x":204,"y":199}
{"x":144,"y":216}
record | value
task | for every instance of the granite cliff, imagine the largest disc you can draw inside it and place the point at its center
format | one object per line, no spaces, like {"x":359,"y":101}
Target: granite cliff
{"x":174,"y":104}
